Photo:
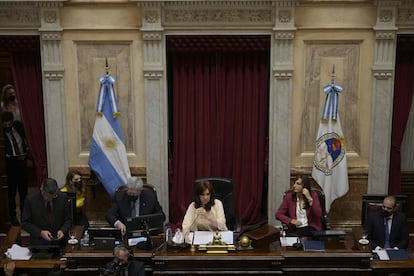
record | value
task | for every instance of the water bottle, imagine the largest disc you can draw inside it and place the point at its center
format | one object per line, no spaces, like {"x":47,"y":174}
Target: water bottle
{"x":168,"y":234}
{"x":178,"y":237}
{"x":85,"y":240}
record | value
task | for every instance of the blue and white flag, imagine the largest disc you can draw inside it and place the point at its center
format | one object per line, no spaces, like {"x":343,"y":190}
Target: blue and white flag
{"x":107,"y":156}
{"x":329,"y":165}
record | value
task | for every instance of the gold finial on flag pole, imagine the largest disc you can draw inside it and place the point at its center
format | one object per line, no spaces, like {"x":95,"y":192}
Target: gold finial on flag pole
{"x":333,"y":74}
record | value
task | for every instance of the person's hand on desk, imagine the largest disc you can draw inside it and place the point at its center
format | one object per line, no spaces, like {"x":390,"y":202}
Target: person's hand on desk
{"x":45,"y":234}
{"x":121,"y":226}
{"x":60,"y":235}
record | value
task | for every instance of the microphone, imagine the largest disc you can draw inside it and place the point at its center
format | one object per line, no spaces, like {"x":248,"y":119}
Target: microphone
{"x":115,"y":262}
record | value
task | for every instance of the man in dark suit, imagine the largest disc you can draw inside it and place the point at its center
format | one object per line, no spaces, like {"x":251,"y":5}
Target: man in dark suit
{"x":16,"y":151}
{"x":387,"y":228}
{"x":132,"y":200}
{"x":46,"y":215}
{"x":124,"y":261}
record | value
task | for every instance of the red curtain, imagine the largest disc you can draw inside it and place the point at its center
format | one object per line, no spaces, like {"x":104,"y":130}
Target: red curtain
{"x":403,"y":94}
{"x":220,"y":87}
{"x":27,"y":79}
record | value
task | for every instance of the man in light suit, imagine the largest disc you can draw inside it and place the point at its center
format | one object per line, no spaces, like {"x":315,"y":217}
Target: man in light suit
{"x":132,"y":200}
{"x":46,"y":215}
{"x":387,"y":219}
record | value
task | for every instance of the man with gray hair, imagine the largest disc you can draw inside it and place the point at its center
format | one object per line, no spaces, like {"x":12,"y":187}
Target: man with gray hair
{"x":132,"y":200}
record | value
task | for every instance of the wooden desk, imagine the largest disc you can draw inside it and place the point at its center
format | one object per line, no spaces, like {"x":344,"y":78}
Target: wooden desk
{"x":339,"y":257}
{"x":189,"y":263}
{"x":34,"y":267}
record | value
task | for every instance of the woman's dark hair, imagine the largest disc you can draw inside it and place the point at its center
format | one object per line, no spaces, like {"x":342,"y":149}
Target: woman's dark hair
{"x":69,"y":176}
{"x":305,"y":184}
{"x":200,"y":187}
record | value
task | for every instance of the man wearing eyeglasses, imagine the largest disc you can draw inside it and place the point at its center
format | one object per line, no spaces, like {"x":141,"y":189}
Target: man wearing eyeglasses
{"x":387,"y":228}
{"x":46,"y":215}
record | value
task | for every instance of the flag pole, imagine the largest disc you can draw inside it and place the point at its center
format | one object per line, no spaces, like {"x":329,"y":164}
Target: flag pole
{"x":106,"y":66}
{"x":333,"y":74}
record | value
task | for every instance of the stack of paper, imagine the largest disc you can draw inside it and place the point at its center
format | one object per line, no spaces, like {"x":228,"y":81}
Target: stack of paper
{"x":288,"y":241}
{"x":16,"y":252}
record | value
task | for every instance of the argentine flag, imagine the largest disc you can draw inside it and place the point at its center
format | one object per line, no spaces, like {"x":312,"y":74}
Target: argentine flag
{"x":330,"y":169}
{"x":107,"y":156}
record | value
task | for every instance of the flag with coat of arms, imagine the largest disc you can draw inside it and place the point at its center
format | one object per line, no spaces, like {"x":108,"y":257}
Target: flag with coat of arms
{"x":107,"y":156}
{"x":329,"y":165}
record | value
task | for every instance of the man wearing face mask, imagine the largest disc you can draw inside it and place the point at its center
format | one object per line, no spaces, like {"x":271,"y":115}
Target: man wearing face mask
{"x":387,"y":228}
{"x":46,"y":215}
{"x":74,"y":184}
{"x":132,"y":200}
{"x":17,"y":156}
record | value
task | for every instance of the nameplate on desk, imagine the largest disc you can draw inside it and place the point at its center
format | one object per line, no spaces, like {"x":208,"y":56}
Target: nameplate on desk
{"x":314,"y":246}
{"x":205,"y":237}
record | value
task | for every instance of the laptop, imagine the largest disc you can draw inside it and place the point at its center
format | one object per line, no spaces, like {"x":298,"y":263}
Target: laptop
{"x":104,"y":243}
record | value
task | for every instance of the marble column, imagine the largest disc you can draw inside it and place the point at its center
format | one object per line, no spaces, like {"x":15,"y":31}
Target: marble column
{"x":280,"y":106}
{"x":53,"y":90}
{"x":382,"y":97}
{"x":156,"y":102}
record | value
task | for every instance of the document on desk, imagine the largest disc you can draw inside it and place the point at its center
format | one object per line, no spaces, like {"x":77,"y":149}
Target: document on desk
{"x":391,"y":254}
{"x":17,"y":252}
{"x":288,"y":241}
{"x":205,"y":237}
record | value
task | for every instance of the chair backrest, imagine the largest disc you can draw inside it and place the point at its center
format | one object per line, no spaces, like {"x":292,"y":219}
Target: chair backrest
{"x":373,"y":202}
{"x":223,"y":188}
{"x":72,"y":207}
{"x":325,"y":220}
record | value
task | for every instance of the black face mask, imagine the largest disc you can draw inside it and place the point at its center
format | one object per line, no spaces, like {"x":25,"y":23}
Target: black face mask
{"x":7,"y":129}
{"x":11,"y":98}
{"x":78,"y":184}
{"x":132,"y":198}
{"x":386,"y":213}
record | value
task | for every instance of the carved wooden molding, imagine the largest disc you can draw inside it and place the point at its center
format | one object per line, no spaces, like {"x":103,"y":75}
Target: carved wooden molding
{"x":382,"y":74}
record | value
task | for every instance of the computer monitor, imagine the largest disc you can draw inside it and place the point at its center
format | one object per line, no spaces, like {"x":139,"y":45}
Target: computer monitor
{"x":144,"y":225}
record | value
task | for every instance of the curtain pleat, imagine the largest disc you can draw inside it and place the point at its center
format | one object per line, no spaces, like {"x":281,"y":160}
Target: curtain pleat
{"x":403,"y":94}
{"x":27,"y":78}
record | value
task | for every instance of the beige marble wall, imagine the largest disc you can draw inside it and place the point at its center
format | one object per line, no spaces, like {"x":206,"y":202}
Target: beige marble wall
{"x":91,"y":34}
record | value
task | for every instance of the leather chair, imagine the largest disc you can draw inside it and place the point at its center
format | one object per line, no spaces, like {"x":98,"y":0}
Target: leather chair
{"x":223,"y":188}
{"x":373,"y":202}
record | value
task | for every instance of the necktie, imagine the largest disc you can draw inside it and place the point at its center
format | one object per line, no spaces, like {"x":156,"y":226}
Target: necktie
{"x":49,"y":212}
{"x":133,"y":210}
{"x":15,"y":145}
{"x":387,"y":234}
